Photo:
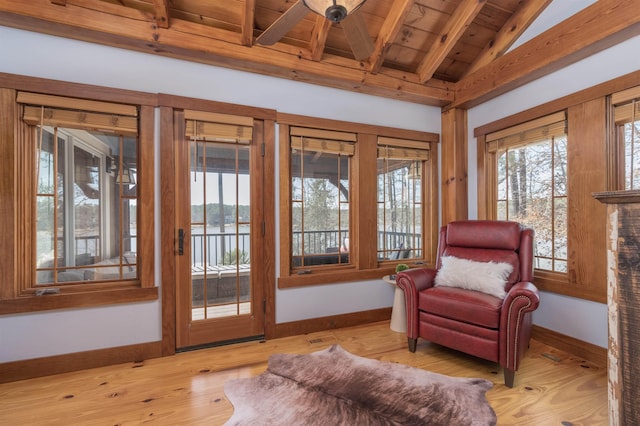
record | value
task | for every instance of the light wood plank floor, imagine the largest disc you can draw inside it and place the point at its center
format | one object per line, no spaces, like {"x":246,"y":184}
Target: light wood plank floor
{"x":552,"y":387}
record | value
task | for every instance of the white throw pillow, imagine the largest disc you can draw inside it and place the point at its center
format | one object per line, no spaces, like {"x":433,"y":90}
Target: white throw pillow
{"x":487,"y":277}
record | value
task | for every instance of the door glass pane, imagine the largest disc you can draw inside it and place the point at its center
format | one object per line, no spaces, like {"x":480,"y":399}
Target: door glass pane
{"x":220,"y":230}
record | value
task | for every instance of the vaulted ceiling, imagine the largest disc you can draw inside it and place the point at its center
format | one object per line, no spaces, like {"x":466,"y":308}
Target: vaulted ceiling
{"x":434,"y":52}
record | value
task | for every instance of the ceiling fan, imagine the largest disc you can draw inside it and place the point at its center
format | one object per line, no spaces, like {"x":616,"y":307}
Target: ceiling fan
{"x":337,"y":11}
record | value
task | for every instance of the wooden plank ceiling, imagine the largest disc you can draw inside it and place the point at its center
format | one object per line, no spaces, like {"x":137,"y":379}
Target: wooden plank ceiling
{"x":422,"y":50}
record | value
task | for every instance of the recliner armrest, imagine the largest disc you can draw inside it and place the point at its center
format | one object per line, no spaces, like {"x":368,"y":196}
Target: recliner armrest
{"x":523,"y":289}
{"x":415,"y":280}
{"x":515,"y":323}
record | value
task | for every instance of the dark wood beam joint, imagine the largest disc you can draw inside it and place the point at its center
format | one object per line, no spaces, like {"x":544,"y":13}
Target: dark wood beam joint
{"x":161,"y":13}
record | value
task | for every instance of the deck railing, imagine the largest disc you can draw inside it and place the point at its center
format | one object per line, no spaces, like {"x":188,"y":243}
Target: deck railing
{"x":218,"y":248}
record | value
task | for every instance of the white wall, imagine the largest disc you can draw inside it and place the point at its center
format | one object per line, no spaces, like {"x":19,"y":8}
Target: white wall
{"x":553,"y":14}
{"x":584,"y":320}
{"x":27,"y":336}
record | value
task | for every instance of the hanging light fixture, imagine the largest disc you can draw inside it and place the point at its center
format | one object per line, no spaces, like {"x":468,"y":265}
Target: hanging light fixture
{"x":334,"y":10}
{"x":126,"y":176}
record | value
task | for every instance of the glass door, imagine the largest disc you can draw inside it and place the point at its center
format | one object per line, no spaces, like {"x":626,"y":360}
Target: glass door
{"x":217,"y":298}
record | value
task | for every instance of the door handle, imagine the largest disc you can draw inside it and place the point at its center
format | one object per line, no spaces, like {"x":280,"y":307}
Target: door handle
{"x":180,"y":242}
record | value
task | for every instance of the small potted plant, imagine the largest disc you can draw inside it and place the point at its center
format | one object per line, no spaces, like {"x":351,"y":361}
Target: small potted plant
{"x":399,"y":268}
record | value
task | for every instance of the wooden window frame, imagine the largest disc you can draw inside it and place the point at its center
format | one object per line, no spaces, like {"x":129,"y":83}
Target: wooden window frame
{"x":395,"y":149}
{"x":16,"y":294}
{"x":532,"y":132}
{"x":624,"y":108}
{"x":488,"y":153}
{"x":589,"y":125}
{"x":363,"y":263}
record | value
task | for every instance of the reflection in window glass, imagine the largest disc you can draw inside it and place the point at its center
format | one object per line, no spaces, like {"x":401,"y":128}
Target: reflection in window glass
{"x":631,"y":132}
{"x":85,"y":206}
{"x":399,"y":209}
{"x":220,"y":230}
{"x":320,"y":205}
{"x":532,"y":190}
{"x":626,"y":115}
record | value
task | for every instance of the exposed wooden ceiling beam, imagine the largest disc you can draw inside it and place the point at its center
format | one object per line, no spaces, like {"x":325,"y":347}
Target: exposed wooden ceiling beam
{"x":388,"y":32}
{"x":465,"y":13}
{"x":161,"y":13}
{"x":528,"y":11}
{"x":115,"y":25}
{"x":248,"y":16}
{"x":319,"y":37}
{"x":595,"y":28}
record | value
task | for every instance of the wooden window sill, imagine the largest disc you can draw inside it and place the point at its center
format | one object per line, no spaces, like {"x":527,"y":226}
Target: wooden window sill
{"x":332,"y":277}
{"x":77,"y":300}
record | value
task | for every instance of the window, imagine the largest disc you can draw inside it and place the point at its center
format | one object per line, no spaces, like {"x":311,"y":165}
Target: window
{"x":85,"y":206}
{"x":76,"y":222}
{"x":401,"y":165}
{"x":320,"y":196}
{"x":627,"y":137}
{"x":530,"y":182}
{"x":85,"y":195}
{"x":601,"y":156}
{"x":355,"y":200}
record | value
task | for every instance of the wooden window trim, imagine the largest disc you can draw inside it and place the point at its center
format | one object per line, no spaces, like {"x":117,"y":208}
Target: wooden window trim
{"x":364,"y":264}
{"x":490,"y":146}
{"x":288,"y":278}
{"x":599,"y":91}
{"x":623,"y":108}
{"x":394,"y":148}
{"x":587,"y":123}
{"x":56,"y":94}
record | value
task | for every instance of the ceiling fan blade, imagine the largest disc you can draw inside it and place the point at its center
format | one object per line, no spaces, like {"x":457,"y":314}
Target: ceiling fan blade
{"x":355,"y":29}
{"x":283,"y":24}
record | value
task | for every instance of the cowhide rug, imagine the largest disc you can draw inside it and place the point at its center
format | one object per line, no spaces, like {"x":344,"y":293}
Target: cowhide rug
{"x":334,"y":387}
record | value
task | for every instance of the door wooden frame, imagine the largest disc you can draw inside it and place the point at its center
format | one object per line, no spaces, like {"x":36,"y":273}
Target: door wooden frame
{"x":169,"y":132}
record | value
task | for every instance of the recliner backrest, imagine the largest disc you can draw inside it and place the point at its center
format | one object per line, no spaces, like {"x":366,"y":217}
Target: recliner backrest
{"x":488,"y":240}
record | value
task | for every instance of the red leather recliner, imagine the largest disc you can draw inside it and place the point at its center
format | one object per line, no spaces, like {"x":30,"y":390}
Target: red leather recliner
{"x":471,"y":321}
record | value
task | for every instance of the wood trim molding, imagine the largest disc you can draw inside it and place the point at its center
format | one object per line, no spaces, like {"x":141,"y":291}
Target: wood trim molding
{"x":454,"y":187}
{"x":352,"y":127}
{"x":77,"y":90}
{"x":269,"y":219}
{"x":57,"y":364}
{"x":78,"y":300}
{"x":586,"y":217}
{"x":590,"y":352}
{"x":313,"y":325}
{"x":45,"y":366}
{"x":168,"y":227}
{"x":185,"y":102}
